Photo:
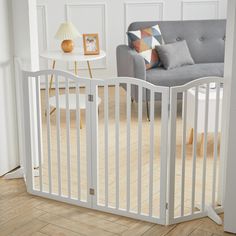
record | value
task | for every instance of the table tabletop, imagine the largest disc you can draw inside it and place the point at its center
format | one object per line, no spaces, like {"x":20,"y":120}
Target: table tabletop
{"x":76,"y":55}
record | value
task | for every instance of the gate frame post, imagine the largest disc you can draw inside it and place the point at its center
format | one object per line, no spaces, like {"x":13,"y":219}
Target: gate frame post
{"x":93,"y":124}
{"x":27,"y":159}
{"x":164,"y":153}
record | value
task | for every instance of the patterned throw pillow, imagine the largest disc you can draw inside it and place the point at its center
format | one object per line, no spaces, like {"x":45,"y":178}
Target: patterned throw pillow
{"x":144,"y":42}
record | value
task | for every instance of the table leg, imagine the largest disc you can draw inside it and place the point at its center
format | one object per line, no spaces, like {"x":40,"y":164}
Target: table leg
{"x":54,"y":109}
{"x":90,"y":71}
{"x":76,"y":70}
{"x":190,"y":140}
{"x":50,"y":85}
{"x":202,"y":144}
{"x":76,"y":73}
{"x":51,"y":79}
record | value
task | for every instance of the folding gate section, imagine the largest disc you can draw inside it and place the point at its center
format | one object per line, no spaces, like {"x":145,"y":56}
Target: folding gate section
{"x":93,"y":144}
{"x":58,"y":136}
{"x":130,"y":161}
{"x":195,"y":166}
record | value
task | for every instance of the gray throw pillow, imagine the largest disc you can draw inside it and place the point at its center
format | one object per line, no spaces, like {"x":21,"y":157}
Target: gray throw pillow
{"x":174,"y":55}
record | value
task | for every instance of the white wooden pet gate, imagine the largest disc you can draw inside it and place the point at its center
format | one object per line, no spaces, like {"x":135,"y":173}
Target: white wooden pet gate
{"x":98,"y":150}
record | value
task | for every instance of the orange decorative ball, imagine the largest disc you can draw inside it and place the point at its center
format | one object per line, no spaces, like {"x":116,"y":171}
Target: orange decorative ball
{"x":67,"y":46}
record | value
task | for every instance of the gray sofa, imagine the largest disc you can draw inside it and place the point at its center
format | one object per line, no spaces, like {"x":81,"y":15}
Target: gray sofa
{"x":206,"y":42}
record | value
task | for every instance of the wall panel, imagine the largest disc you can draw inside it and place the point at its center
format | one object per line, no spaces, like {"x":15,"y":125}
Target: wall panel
{"x":42,"y":31}
{"x":200,"y":10}
{"x":142,"y":11}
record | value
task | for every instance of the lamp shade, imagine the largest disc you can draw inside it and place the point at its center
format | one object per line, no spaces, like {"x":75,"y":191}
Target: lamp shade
{"x":67,"y":31}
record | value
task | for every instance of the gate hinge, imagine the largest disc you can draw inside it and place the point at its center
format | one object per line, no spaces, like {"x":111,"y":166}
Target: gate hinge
{"x":167,"y":206}
{"x":90,"y":97}
{"x":91,"y":191}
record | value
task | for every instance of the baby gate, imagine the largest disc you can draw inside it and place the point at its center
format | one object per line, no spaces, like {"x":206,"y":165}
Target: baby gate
{"x":95,"y":148}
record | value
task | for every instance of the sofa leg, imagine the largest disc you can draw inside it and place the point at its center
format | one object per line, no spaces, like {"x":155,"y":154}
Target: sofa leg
{"x":132,"y":99}
{"x":147,"y":105}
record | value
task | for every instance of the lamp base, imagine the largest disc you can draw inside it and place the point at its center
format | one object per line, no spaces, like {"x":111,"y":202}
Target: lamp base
{"x":67,"y":46}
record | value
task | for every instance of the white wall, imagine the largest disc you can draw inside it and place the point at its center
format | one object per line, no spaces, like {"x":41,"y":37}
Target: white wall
{"x":8,"y":122}
{"x":229,"y":127}
{"x":25,"y":32}
{"x":26,"y":50}
{"x":110,"y":18}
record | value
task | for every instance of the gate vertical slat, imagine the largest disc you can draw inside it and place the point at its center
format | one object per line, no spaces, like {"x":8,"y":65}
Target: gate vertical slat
{"x":215,"y":142}
{"x":48,"y":138}
{"x":38,"y":105}
{"x":151,"y":158}
{"x":117,"y":148}
{"x":58,"y":124}
{"x":128,"y":116}
{"x":106,"y":122}
{"x":68,"y":139}
{"x":172,"y":153}
{"x":184,"y":120}
{"x":78,"y":127}
{"x":205,"y":148}
{"x":139,"y":183}
{"x":194,"y":149}
{"x":165,"y":97}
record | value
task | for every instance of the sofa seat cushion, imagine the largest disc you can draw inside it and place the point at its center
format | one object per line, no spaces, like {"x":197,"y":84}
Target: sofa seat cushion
{"x":182,"y":75}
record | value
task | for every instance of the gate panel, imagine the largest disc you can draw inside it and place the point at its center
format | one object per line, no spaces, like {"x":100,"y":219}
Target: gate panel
{"x":131,"y":155}
{"x":194,"y":159}
{"x":96,"y":148}
{"x":64,"y":134}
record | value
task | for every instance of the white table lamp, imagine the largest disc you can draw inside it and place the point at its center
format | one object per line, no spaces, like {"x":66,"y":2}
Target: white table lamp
{"x":67,"y":32}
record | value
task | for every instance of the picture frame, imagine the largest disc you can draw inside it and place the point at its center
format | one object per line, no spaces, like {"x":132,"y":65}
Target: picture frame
{"x":91,"y":44}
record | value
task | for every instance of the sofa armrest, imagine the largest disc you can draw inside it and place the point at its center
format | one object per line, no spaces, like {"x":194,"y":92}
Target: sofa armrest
{"x":130,"y":63}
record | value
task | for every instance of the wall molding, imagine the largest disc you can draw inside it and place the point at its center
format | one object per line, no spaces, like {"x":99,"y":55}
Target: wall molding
{"x":43,"y":8}
{"x":103,"y":6}
{"x":160,"y":4}
{"x":202,"y":2}
{"x":45,"y":39}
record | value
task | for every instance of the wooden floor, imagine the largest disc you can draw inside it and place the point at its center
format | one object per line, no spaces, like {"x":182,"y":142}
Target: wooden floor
{"x":24,"y":215}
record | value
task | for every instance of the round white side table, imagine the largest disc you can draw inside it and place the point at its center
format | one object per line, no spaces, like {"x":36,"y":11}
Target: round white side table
{"x":76,"y":56}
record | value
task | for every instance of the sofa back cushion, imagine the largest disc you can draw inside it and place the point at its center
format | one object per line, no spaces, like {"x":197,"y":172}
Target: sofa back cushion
{"x":205,"y":38}
{"x":144,"y":42}
{"x":174,"y":55}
